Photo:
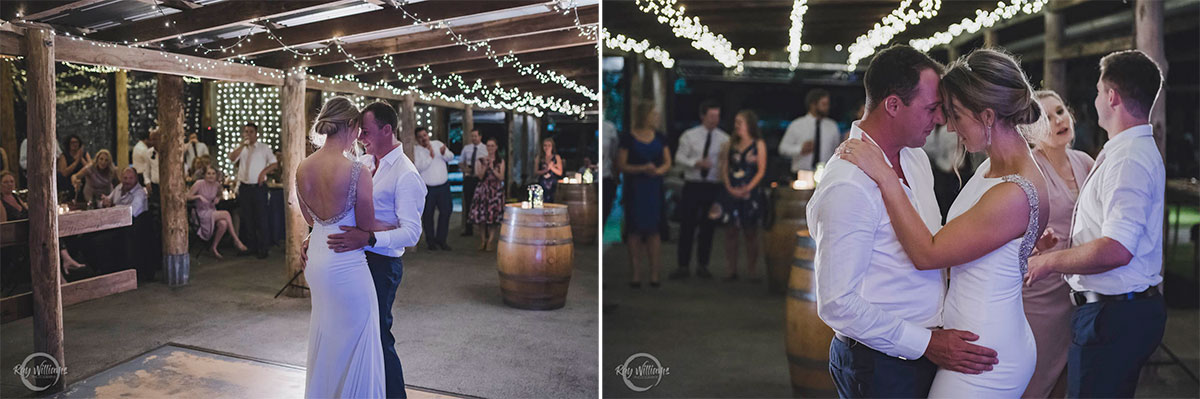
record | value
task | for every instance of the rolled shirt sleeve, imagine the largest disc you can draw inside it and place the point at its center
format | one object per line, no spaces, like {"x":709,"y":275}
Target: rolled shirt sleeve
{"x":844,"y":227}
{"x":1124,"y":202}
{"x":410,"y":203}
{"x":687,"y":155}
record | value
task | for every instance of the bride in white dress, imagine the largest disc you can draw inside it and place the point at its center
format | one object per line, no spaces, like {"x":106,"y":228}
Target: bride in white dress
{"x":992,"y":226}
{"x":344,"y":355}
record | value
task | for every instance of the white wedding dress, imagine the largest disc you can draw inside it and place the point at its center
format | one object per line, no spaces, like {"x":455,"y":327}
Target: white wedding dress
{"x":985,"y":299}
{"x":345,"y":355}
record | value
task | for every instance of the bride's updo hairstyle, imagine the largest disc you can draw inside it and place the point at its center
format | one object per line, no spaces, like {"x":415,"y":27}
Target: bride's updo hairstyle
{"x":989,"y":78}
{"x":337,"y":114}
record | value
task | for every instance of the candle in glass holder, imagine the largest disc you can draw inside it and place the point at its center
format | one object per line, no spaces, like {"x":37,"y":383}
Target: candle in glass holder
{"x":525,"y":205}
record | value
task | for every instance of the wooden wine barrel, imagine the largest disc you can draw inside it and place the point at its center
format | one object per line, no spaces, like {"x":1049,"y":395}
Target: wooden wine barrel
{"x":535,"y":256}
{"x":808,"y":337}
{"x":581,"y":201}
{"x":779,"y":243}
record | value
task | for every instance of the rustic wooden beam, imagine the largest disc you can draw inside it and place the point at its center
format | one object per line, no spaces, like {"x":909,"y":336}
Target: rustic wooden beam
{"x":17,"y":307}
{"x":326,"y":84}
{"x":468,"y":122}
{"x":1054,"y":75}
{"x":291,"y":99}
{"x":176,"y":261}
{"x":35,"y":10}
{"x":408,"y":124}
{"x":365,"y":23}
{"x":205,"y":19}
{"x":208,"y":104}
{"x":121,"y":83}
{"x":579,"y":53}
{"x":85,"y":51}
{"x":566,"y":38}
{"x":1148,"y":33}
{"x":567,"y":69}
{"x":1093,"y":48}
{"x":70,"y":224}
{"x":436,"y":38}
{"x":8,"y":127}
{"x":43,"y":200}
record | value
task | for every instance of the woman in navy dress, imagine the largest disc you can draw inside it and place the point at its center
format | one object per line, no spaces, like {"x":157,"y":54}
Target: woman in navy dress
{"x":643,"y":158}
{"x":742,"y":169}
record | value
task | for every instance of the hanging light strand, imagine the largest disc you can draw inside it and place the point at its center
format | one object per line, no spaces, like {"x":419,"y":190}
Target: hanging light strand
{"x":891,"y":25}
{"x":795,"y":41}
{"x":643,"y":47}
{"x":1004,"y":11}
{"x":691,"y":28}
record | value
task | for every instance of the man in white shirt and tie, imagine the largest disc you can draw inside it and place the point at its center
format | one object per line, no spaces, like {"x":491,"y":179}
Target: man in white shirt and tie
{"x":253,"y":160}
{"x":399,"y":198}
{"x":145,"y":159}
{"x":811,"y":139}
{"x":472,"y":151}
{"x":431,"y":158}
{"x":699,"y":152}
{"x":886,"y":314}
{"x":1114,"y":264}
{"x":194,"y":148}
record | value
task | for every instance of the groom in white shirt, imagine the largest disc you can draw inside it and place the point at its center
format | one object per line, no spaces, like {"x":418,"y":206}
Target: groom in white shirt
{"x":1114,"y":264}
{"x":399,"y":198}
{"x":886,"y":314}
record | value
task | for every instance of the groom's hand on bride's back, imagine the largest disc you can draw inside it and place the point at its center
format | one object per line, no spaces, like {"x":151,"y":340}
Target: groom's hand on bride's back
{"x":952,"y":350}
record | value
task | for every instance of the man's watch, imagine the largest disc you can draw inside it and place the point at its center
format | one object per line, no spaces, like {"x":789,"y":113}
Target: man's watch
{"x":371,"y":238}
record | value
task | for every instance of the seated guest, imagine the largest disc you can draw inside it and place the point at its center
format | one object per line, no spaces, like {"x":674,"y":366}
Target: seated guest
{"x":69,"y":163}
{"x":207,"y":193}
{"x":97,"y":177}
{"x":141,"y":233}
{"x":198,"y":169}
{"x":14,"y":208}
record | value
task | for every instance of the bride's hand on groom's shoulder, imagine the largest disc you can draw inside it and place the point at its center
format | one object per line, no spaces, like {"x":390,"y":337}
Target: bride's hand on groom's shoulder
{"x":868,"y":158}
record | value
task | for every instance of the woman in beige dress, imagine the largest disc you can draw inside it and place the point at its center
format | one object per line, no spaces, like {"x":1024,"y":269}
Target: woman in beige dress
{"x":1047,"y":303}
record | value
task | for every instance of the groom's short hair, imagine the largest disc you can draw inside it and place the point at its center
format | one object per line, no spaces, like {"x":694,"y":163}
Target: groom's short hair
{"x":896,"y":70}
{"x":384,"y":114}
{"x":1135,"y":77}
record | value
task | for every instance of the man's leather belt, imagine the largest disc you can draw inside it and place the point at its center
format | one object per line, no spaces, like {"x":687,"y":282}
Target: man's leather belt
{"x":1079,"y":298}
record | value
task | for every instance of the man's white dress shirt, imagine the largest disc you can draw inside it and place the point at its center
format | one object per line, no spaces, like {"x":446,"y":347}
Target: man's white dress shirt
{"x":691,"y":151}
{"x":432,"y":168}
{"x":610,"y":141}
{"x":867,"y":288}
{"x":190,"y":152}
{"x":1122,"y":199}
{"x":399,"y":198}
{"x":135,"y":198}
{"x":252,"y":160}
{"x":802,"y":130}
{"x":470,"y":153}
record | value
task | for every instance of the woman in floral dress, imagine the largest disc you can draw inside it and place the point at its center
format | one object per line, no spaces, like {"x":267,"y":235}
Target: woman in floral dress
{"x":488,"y":206}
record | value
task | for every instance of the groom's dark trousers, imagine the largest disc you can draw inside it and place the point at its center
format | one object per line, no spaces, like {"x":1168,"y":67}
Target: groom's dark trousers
{"x":386,"y":272}
{"x":861,"y":372}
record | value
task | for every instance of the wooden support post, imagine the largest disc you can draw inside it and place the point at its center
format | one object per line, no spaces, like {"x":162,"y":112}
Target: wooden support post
{"x":510,"y":175}
{"x":408,"y":124}
{"x":176,"y":262}
{"x":468,"y":121}
{"x":951,"y":52}
{"x":8,"y":127}
{"x":43,"y":200}
{"x":122,"y":95}
{"x":291,"y":99}
{"x":1054,"y":75}
{"x":312,"y":105}
{"x":1148,"y":32}
{"x":990,"y":40}
{"x":208,"y":103}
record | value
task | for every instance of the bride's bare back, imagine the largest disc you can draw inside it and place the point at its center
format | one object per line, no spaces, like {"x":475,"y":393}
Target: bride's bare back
{"x":323,"y":181}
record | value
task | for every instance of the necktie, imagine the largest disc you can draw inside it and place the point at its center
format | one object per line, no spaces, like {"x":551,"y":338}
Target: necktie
{"x":704,"y":154}
{"x":816,"y":156}
{"x":474,"y":150}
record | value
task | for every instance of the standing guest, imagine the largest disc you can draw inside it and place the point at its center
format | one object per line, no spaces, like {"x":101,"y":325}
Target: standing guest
{"x":98,"y":177}
{"x":207,"y":193}
{"x":488,"y":206}
{"x":700,"y":153}
{"x":431,"y":159}
{"x":14,"y":208}
{"x":1048,"y":302}
{"x":643,"y":157}
{"x":549,"y":169}
{"x":472,"y":151}
{"x":1114,"y":262}
{"x":192,"y":150}
{"x":141,"y":159}
{"x":588,"y":165}
{"x":254,"y":160}
{"x":742,"y":169}
{"x":132,"y":194}
{"x":69,"y":163}
{"x":607,"y":171}
{"x":812,"y":138}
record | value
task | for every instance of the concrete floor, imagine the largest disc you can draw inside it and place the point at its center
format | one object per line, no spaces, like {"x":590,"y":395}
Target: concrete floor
{"x":722,"y":339}
{"x":453,"y":332}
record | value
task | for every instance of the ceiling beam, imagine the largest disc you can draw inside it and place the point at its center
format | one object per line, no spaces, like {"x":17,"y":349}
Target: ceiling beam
{"x":204,"y":19}
{"x":560,"y":39}
{"x":33,"y":14}
{"x":374,"y":21}
{"x":508,"y":77}
{"x":578,"y":54}
{"x":437,"y":38}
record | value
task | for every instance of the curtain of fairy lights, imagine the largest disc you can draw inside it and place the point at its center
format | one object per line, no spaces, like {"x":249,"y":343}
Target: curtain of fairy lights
{"x":239,"y":103}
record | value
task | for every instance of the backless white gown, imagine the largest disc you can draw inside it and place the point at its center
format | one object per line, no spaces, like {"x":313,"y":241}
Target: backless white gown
{"x":345,"y":355}
{"x":985,"y":298}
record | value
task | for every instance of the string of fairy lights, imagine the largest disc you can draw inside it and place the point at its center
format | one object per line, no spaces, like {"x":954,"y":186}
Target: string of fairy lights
{"x":643,"y":47}
{"x":891,"y":25}
{"x":239,"y":103}
{"x":692,"y":29}
{"x":795,"y":33}
{"x":1003,"y":11}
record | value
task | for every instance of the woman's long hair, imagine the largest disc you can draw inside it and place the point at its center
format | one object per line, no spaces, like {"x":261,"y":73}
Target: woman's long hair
{"x":751,"y":120}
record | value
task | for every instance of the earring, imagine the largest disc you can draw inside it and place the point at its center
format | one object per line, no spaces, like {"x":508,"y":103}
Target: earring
{"x":989,"y":137}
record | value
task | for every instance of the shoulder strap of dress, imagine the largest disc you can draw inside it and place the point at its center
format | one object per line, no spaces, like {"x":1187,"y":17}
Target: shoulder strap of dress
{"x":353,"y":194}
{"x":1030,"y":237}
